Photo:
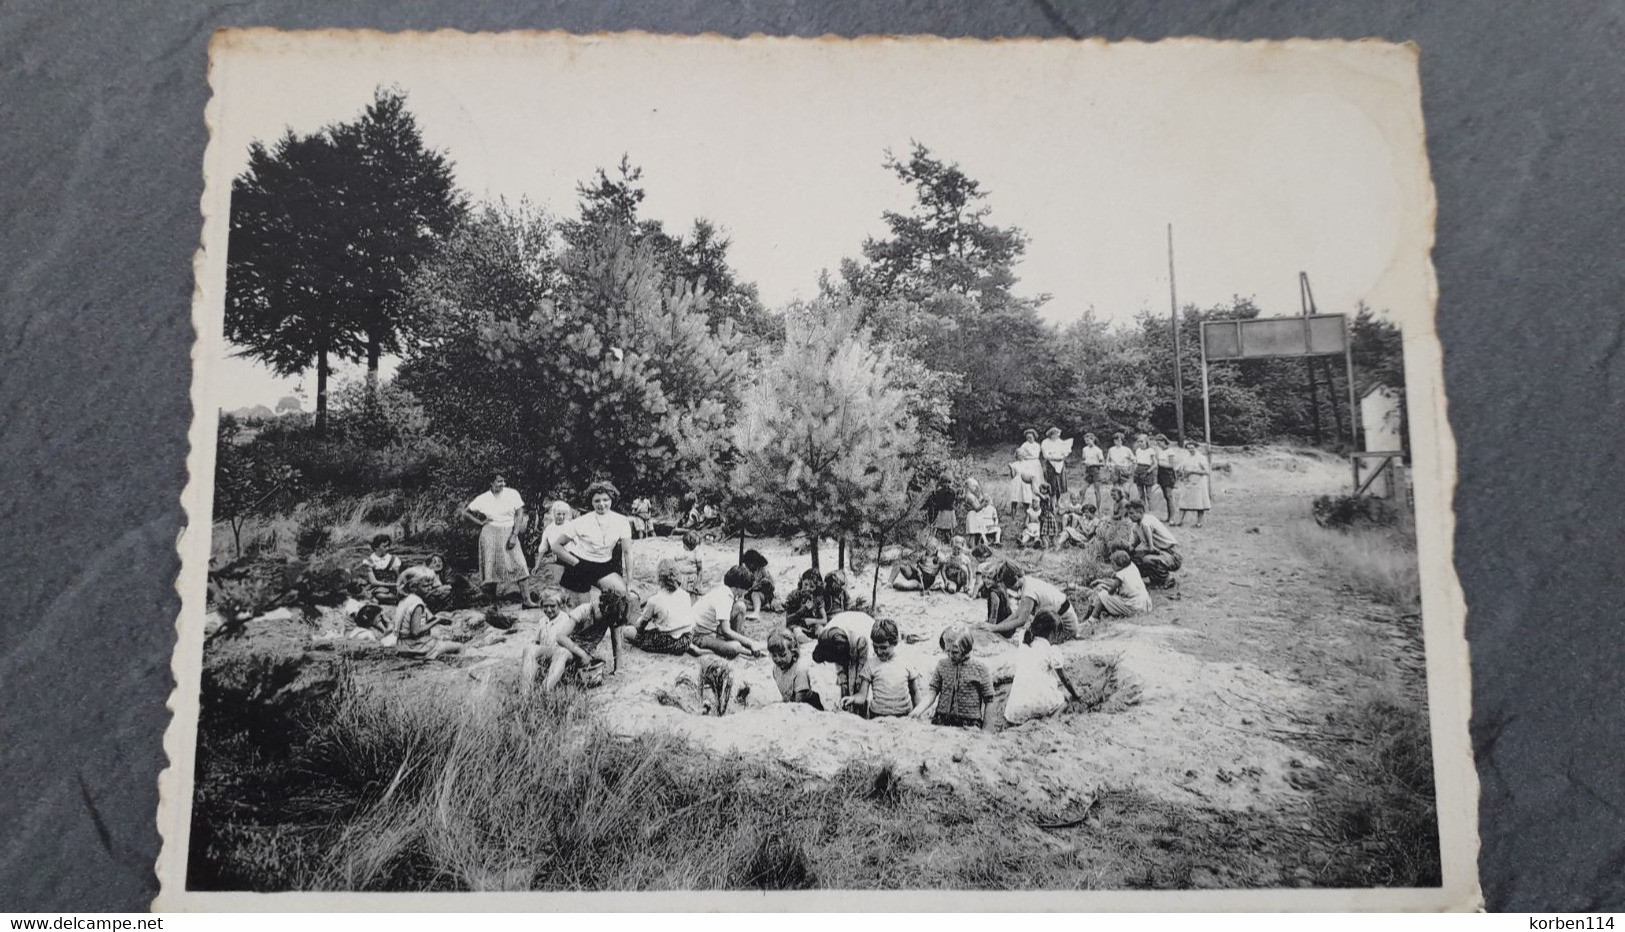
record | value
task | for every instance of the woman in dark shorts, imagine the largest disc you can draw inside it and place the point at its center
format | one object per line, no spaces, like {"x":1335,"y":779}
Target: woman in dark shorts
{"x":596,"y":548}
{"x":1167,"y":460}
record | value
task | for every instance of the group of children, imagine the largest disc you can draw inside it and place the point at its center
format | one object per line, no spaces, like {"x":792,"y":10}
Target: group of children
{"x":1040,"y":489}
{"x":413,"y":608}
{"x":681,"y":617}
{"x":960,"y":691}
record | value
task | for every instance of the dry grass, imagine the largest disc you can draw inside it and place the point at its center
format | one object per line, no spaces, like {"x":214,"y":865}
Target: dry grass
{"x":397,"y":788}
{"x":1377,"y":562}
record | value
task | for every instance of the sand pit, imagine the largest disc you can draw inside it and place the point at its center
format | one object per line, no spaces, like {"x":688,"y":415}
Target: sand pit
{"x":1181,"y":728}
{"x":1208,"y":691}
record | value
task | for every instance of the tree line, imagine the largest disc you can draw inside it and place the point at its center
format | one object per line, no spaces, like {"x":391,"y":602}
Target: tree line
{"x":598,"y":344}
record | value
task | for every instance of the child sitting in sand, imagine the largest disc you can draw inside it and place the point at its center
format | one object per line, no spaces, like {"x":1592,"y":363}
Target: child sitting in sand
{"x":917,"y":575}
{"x":760,"y":594}
{"x":958,"y":569}
{"x":426,"y":576}
{"x":836,"y":597}
{"x":1119,"y":503}
{"x":804,"y":608}
{"x":1121,"y":594}
{"x":889,"y":687}
{"x":792,"y":672}
{"x":382,"y":569}
{"x":1082,"y":529}
{"x":1040,"y":675}
{"x":567,"y":639}
{"x":1032,"y":530}
{"x":720,"y":613}
{"x":689,"y":565}
{"x":960,"y":688}
{"x":666,"y":624}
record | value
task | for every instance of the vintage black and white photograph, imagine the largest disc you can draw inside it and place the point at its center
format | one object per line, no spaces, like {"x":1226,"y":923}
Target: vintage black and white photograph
{"x":709,"y":468}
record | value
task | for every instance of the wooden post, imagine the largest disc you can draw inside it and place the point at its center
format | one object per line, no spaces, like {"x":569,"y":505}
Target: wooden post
{"x":1173,"y":305}
{"x":874,"y":590}
{"x":1207,"y":413}
{"x":1354,"y":416}
{"x":1306,"y":301}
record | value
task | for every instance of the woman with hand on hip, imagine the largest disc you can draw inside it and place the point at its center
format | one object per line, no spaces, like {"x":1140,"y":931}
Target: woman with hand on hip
{"x":1195,"y":490}
{"x":587,"y":545}
{"x":1025,"y":473}
{"x":502,"y":561}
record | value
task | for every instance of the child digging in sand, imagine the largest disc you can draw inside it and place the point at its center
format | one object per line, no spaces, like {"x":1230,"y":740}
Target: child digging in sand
{"x":792,"y":672}
{"x":720,"y":613}
{"x":888,"y":688}
{"x":1040,"y":675}
{"x":666,"y":625}
{"x":718,"y":688}
{"x":960,"y":688}
{"x":1119,"y":595}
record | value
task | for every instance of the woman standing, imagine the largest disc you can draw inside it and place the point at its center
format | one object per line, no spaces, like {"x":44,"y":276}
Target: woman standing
{"x":1145,"y":468}
{"x":1120,"y":463}
{"x":1167,"y":463}
{"x":1055,"y":451}
{"x":587,"y":546}
{"x":502,"y":562}
{"x":1025,"y":473}
{"x":1195,"y":491}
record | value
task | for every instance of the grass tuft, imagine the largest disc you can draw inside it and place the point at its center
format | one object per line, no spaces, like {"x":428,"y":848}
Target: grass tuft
{"x":1379,"y":563}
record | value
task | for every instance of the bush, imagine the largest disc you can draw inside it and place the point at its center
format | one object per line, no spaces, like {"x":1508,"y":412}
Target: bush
{"x":1348,"y":511}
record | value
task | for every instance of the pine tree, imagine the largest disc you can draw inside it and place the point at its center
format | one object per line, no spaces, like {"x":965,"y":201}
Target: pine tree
{"x":824,"y":439}
{"x":940,"y":285}
{"x":558,"y":367}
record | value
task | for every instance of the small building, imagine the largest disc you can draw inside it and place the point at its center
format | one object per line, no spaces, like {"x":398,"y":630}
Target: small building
{"x":1382,"y":422}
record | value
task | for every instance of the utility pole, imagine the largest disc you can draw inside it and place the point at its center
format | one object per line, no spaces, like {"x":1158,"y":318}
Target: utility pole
{"x":1306,"y":299}
{"x":1173,"y":313}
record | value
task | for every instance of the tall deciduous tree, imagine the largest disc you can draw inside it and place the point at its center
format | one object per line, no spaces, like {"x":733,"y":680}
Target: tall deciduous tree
{"x":402,"y":202}
{"x":825,"y":437}
{"x":326,"y":230}
{"x":281,"y":304}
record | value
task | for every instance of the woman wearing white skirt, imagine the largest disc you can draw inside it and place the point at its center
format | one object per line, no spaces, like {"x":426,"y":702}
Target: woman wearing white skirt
{"x":502,"y":560}
{"x":1195,"y":490}
{"x":1025,"y":474}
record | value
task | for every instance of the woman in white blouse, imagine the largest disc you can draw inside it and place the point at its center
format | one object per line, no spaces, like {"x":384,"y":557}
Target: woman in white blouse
{"x":586,"y":546}
{"x":1195,"y":492}
{"x":1025,"y":473}
{"x":1055,"y":451}
{"x":502,"y":561}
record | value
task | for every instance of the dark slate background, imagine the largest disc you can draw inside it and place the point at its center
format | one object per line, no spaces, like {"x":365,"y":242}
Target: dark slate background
{"x":101,"y":152}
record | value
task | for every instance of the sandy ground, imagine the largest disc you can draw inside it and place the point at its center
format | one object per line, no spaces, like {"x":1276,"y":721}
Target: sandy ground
{"x":1255,"y":646}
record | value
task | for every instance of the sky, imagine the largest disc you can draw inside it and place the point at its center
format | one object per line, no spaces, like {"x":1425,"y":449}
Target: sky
{"x":1265,"y":163}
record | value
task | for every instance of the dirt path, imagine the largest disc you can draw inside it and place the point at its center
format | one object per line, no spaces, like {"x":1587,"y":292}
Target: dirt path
{"x":1218,"y":686}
